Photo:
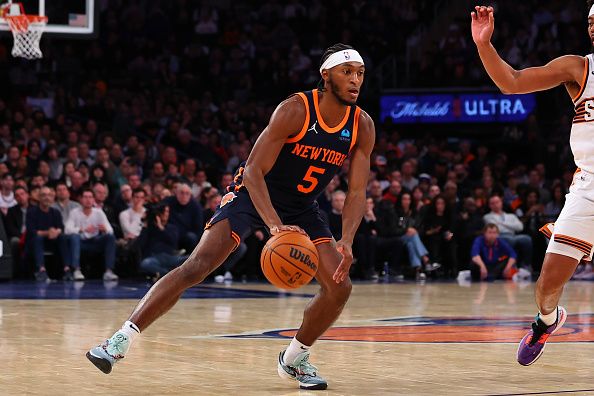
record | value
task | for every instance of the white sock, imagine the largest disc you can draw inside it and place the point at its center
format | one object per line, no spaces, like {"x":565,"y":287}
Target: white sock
{"x":549,"y":319}
{"x":294,"y":349}
{"x":131,"y":331}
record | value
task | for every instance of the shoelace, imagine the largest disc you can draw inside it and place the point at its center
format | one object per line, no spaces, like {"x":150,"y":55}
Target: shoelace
{"x":305,"y":367}
{"x":116,"y":343}
{"x":537,"y":332}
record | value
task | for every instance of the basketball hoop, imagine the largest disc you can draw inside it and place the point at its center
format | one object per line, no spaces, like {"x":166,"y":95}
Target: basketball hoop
{"x":26,"y":31}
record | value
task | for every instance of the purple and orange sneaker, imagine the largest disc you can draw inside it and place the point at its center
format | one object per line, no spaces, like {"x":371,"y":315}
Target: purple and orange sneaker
{"x":533,"y":343}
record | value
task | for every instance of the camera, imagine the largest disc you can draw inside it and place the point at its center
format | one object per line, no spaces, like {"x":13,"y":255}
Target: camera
{"x":152,"y":211}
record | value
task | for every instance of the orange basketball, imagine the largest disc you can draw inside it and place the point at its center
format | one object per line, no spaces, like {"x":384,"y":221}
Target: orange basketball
{"x":289,"y":260}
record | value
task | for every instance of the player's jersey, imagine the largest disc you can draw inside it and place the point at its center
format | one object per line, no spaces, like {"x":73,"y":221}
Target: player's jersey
{"x":309,"y":159}
{"x":582,"y":129}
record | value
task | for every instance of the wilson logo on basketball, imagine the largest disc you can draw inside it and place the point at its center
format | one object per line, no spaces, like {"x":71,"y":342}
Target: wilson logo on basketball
{"x":227,"y":198}
{"x":304,"y":258}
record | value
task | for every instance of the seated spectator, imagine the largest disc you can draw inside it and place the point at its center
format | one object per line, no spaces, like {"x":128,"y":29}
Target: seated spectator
{"x":492,"y":257}
{"x":325,"y":198}
{"x":124,"y":200}
{"x":408,"y":224}
{"x":158,"y":243}
{"x":365,"y":243}
{"x":15,"y":224}
{"x":553,"y":208}
{"x":101,"y":194}
{"x":510,"y":226}
{"x":186,"y":214}
{"x":131,"y":219}
{"x":469,"y":225}
{"x":77,"y":185}
{"x":7,"y":199}
{"x":63,"y":203}
{"x":409,"y":181}
{"x":388,"y":245}
{"x":393,"y":192}
{"x":437,"y":225}
{"x":89,"y":231}
{"x":45,"y":232}
{"x":335,"y":214}
{"x":211,"y":206}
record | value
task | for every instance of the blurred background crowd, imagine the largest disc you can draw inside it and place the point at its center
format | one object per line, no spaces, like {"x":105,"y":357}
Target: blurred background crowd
{"x":115,"y":152}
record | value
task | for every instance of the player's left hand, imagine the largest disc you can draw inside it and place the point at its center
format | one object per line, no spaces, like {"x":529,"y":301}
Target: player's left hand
{"x":346,"y":250}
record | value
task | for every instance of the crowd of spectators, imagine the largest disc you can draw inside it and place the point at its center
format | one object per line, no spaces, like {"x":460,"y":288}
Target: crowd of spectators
{"x":160,"y":109}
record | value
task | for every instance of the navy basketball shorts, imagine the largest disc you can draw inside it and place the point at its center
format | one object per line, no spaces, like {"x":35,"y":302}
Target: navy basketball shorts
{"x":237,"y":207}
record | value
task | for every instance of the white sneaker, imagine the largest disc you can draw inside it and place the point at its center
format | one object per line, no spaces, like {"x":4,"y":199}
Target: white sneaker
{"x":464,"y":276}
{"x":77,"y":275}
{"x":219,"y":279}
{"x":228,"y":276}
{"x":108,"y":275}
{"x":523,"y":275}
{"x":430,"y":267}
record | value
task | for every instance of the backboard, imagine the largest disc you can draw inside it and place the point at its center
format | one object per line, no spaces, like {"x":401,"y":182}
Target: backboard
{"x":65,"y":17}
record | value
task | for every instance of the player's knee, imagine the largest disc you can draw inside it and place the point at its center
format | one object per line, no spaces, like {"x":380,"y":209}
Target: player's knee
{"x":340,"y":292}
{"x":548,"y":285}
{"x":196,"y":268}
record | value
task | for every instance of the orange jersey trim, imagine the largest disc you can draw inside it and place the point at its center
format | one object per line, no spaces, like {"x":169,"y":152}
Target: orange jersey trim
{"x":321,"y":120}
{"x":581,"y":245}
{"x":545,"y":230}
{"x":322,"y":240}
{"x":235,"y":237}
{"x":578,"y":170}
{"x":300,"y":135}
{"x":355,"y":127}
{"x":584,"y":79}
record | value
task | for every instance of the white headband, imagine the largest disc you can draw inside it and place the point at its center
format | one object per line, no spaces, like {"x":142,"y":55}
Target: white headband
{"x":341,"y":57}
{"x":591,"y":11}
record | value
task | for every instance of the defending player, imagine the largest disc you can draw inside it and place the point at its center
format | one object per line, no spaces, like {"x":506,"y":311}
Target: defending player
{"x":572,"y":235}
{"x":308,"y":138}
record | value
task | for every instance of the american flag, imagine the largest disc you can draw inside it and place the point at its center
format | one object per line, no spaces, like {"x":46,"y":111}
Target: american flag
{"x":78,"y":20}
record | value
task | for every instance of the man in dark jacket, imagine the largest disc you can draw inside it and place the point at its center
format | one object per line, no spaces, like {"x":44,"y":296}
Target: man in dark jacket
{"x":158,"y":243}
{"x":187,"y":214}
{"x":45,"y":231}
{"x":14,"y":225}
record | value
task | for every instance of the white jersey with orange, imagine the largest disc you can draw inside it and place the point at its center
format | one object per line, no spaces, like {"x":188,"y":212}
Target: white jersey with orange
{"x":572,"y":234}
{"x":582,"y":129}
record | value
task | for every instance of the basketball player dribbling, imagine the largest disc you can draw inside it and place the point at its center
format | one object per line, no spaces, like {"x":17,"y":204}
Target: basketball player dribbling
{"x":572,"y":235}
{"x":308,"y":138}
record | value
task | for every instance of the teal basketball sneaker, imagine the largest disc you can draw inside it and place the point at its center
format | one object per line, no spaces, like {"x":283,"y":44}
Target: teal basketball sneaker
{"x":110,"y":352}
{"x":302,"y":371}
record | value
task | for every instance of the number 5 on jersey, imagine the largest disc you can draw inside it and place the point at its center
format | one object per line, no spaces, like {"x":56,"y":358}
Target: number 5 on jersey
{"x":309,"y":178}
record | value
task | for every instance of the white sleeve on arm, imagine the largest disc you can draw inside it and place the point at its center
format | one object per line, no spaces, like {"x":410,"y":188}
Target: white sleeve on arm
{"x":513,"y":222}
{"x":71,"y":226}
{"x":103,"y":217}
{"x":126,"y":222}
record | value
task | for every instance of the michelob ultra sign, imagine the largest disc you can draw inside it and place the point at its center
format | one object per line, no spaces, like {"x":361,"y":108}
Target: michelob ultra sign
{"x":456,"y":107}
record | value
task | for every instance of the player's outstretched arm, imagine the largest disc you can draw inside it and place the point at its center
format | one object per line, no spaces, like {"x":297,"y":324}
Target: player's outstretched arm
{"x":354,"y":205}
{"x":565,"y":69}
{"x":287,"y":120}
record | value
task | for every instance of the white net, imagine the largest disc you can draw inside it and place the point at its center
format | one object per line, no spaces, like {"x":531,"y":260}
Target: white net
{"x":26,"y":31}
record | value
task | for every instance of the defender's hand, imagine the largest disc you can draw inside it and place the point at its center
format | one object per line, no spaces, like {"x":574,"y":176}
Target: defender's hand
{"x":482,"y":25}
{"x":281,"y":228}
{"x":344,"y":267}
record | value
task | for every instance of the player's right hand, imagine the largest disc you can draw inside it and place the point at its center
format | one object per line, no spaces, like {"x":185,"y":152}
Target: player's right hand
{"x":280,"y":228}
{"x":483,"y":24}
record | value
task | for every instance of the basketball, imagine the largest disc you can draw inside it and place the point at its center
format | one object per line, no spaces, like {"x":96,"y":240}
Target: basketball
{"x":289,"y":260}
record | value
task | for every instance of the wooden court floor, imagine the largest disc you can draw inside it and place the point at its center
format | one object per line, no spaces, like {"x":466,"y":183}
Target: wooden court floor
{"x":392,"y":339}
